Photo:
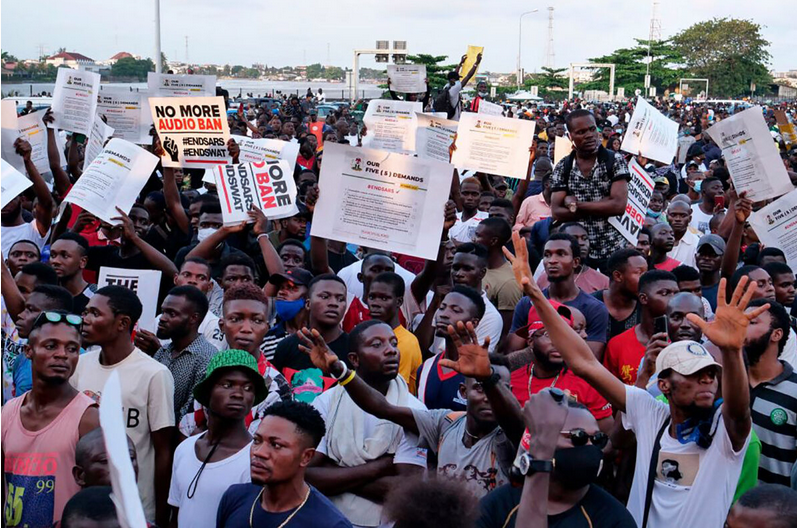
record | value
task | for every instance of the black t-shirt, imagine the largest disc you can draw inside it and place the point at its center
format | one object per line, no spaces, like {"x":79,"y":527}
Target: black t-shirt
{"x":338,"y":261}
{"x":597,"y":509}
{"x":81,"y":300}
{"x":618,"y":327}
{"x":236,"y":506}
{"x":289,"y":356}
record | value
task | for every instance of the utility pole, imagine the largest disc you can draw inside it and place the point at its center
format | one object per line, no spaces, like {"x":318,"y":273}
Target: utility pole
{"x":550,"y":55}
{"x":653,"y":36}
{"x":158,"y":54}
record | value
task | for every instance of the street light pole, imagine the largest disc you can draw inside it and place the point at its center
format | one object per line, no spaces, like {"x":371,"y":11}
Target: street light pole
{"x":158,"y":67}
{"x":519,"y":41}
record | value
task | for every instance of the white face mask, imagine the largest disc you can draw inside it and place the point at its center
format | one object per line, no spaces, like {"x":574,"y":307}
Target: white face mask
{"x":482,"y":94}
{"x":202,"y":234}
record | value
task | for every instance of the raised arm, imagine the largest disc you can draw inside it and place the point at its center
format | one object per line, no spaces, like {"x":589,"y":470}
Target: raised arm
{"x":728,"y":331}
{"x":157,"y":259}
{"x":60,"y":177}
{"x":205,"y":248}
{"x":73,"y":157}
{"x":15,"y":302}
{"x":742,"y":208}
{"x":170,"y":191}
{"x":523,"y":186}
{"x":368,"y":399}
{"x":45,"y":203}
{"x":472,"y":71}
{"x":425,"y":279}
{"x":270,"y":256}
{"x":575,"y":351}
{"x":474,"y":362}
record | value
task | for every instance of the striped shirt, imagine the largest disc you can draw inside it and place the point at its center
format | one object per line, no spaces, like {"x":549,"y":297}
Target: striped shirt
{"x":774,"y":410}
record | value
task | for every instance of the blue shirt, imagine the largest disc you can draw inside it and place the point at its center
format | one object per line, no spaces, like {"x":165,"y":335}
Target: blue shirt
{"x":710,"y":293}
{"x":594,"y":311}
{"x":236,"y":505}
{"x":439,"y":390}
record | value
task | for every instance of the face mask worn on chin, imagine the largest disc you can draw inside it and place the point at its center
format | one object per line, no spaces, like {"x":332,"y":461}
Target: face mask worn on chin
{"x":654,"y":214}
{"x":698,"y":185}
{"x":287,"y":310}
{"x":482,"y":94}
{"x":202,"y":234}
{"x":576,"y":467}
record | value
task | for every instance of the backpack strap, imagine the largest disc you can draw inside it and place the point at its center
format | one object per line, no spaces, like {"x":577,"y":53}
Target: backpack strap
{"x":607,"y":157}
{"x":568,"y":167}
{"x":654,"y":458}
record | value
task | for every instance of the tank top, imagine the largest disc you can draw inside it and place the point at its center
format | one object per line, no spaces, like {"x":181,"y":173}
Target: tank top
{"x":38,"y":464}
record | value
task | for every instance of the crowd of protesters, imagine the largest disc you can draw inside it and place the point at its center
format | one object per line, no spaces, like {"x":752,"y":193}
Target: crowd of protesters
{"x":542,"y":371}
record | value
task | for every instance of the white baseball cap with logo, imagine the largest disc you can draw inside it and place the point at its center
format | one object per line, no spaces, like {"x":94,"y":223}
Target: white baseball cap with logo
{"x":685,"y":358}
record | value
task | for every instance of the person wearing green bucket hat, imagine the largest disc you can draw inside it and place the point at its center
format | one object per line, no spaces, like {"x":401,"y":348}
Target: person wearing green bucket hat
{"x":205,"y":465}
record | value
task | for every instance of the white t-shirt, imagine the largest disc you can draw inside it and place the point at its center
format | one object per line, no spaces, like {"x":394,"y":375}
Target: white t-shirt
{"x":354,"y":288}
{"x":200,"y":509}
{"x":686,"y":249}
{"x":12,"y":234}
{"x":491,"y":325}
{"x":465,"y":231}
{"x":692,"y":483}
{"x":148,"y":402}
{"x":700,"y":219}
{"x":208,"y":328}
{"x":407,"y":451}
{"x":453,"y":97}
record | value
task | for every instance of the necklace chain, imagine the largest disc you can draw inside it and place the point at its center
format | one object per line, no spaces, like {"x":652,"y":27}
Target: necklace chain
{"x":531,"y":377}
{"x":286,"y":521}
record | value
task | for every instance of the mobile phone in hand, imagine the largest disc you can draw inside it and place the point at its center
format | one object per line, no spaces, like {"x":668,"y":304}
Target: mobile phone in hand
{"x":719,"y":201}
{"x":660,"y":325}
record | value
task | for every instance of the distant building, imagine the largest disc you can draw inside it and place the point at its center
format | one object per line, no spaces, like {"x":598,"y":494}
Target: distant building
{"x":120,"y":55}
{"x":73,"y":60}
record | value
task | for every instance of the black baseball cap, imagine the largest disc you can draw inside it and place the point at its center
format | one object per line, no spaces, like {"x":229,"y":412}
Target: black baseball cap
{"x":298,"y":276}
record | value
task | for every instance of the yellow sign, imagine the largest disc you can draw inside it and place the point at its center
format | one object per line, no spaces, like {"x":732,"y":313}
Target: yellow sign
{"x":470,"y":60}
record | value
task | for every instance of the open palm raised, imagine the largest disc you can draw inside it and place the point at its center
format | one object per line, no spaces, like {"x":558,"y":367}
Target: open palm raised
{"x":474,"y":360}
{"x":313,"y":344}
{"x":729,"y":328}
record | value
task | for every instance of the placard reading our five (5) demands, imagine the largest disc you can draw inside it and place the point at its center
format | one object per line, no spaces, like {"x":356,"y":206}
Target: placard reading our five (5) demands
{"x":382,"y":200}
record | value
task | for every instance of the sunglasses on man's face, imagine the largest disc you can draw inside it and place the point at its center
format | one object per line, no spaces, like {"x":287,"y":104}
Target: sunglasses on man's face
{"x":579,"y":437}
{"x":73,"y":320}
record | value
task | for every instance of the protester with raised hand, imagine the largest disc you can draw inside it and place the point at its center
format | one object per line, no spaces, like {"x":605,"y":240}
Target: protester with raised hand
{"x":561,"y":463}
{"x":12,"y":226}
{"x":478,"y":445}
{"x":696,"y":438}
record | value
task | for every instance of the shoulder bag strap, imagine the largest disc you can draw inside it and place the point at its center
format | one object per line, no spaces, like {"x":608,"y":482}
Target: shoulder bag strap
{"x":654,"y":457}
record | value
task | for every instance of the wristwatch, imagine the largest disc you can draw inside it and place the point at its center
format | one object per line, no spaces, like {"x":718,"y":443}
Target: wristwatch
{"x":530,"y":466}
{"x":491,"y":380}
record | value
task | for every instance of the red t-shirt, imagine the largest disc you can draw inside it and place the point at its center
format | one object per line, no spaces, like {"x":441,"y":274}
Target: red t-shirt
{"x":357,"y":313}
{"x":577,"y":387}
{"x":623,"y":355}
{"x":668,"y":265}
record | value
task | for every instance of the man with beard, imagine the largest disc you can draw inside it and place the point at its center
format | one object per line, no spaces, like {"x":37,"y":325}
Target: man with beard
{"x":561,"y":462}
{"x":773,"y":392}
{"x":590,"y":186}
{"x":661,"y":241}
{"x":13,"y":226}
{"x":547,"y":369}
{"x":282,"y":448}
{"x":188,"y":353}
{"x":705,"y":439}
{"x":477,"y":445}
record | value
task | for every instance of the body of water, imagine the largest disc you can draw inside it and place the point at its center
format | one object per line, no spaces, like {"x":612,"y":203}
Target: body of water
{"x":333,"y":91}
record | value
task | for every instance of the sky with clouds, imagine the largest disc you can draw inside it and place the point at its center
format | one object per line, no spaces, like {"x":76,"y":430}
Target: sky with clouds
{"x":296,"y":32}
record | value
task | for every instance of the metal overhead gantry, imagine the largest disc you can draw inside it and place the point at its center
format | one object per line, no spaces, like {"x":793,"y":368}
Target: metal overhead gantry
{"x":574,"y":65}
{"x":383,"y":53}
